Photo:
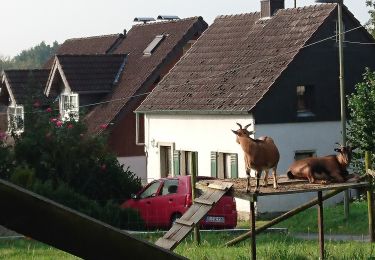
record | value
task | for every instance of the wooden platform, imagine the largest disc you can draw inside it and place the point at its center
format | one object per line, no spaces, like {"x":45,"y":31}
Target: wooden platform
{"x":286,"y":186}
{"x":202,"y":205}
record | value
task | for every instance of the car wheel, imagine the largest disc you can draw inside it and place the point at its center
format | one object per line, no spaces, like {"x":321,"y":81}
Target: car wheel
{"x":174,"y":217}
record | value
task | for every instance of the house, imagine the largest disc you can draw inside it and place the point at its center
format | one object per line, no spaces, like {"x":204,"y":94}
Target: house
{"x":17,"y":89}
{"x":151,"y":49}
{"x":277,"y":69}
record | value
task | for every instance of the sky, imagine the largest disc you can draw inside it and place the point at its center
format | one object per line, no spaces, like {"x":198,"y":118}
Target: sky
{"x":26,"y":23}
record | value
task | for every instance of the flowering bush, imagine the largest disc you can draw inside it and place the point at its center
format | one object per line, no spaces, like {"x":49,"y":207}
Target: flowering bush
{"x":61,"y":152}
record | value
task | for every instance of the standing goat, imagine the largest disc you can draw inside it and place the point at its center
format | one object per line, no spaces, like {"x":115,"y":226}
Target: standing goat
{"x":260,"y":155}
{"x":331,"y":168}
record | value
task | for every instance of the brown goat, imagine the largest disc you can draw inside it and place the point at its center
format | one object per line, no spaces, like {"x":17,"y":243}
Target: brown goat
{"x":260,"y":155}
{"x":331,"y":168}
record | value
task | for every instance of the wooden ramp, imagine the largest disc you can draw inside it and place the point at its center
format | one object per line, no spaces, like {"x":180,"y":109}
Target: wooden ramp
{"x":202,"y":205}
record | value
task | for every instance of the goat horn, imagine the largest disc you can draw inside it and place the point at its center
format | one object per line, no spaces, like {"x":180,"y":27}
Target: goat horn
{"x":338,"y":144}
{"x":239,"y":125}
{"x":246,"y":126}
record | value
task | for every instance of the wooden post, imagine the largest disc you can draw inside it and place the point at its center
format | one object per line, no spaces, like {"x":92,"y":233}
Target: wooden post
{"x":252,"y":225}
{"x":370,"y":200}
{"x":193,"y":168}
{"x":320,"y":224}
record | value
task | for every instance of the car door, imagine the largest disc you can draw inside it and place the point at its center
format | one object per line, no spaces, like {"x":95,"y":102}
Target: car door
{"x":147,"y":203}
{"x":168,"y":201}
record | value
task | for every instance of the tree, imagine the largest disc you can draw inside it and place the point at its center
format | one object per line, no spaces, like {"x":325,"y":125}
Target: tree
{"x":361,"y":103}
{"x":371,"y":23}
{"x":32,"y":58}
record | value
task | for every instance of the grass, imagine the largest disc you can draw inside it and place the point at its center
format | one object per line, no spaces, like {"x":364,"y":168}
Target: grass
{"x":334,"y":220}
{"x":269,"y":246}
{"x":29,"y":249}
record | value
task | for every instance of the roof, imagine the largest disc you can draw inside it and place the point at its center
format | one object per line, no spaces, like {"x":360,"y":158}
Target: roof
{"x":88,"y":45}
{"x":141,"y":71}
{"x":236,"y":61}
{"x":23,"y":84}
{"x":87,"y":73}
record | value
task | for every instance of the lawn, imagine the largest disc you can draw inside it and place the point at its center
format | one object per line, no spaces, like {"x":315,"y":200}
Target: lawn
{"x":269,"y":246}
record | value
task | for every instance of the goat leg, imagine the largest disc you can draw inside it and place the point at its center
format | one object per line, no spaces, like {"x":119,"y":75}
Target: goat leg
{"x":265,"y":178}
{"x":257,"y":176}
{"x":274,"y":174}
{"x":248,"y":180}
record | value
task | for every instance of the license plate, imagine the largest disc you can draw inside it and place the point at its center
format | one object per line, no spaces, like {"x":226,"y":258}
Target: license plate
{"x":212,"y":219}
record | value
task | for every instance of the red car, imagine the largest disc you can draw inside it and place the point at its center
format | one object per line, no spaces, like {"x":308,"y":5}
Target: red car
{"x":162,"y":201}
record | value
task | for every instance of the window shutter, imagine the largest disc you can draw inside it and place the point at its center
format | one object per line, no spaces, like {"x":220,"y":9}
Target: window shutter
{"x":176,"y":162}
{"x":234,"y":165}
{"x":214,"y":164}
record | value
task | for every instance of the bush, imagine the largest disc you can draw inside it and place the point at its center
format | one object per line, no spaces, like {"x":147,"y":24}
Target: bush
{"x":109,"y":213}
{"x":23,"y":176}
{"x":62,"y":152}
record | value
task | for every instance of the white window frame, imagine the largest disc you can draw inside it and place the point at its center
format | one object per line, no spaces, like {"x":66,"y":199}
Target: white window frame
{"x":16,"y":119}
{"x":68,"y":108}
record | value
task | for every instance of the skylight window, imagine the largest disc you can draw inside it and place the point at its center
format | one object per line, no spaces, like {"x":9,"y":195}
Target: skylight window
{"x":153,"y":45}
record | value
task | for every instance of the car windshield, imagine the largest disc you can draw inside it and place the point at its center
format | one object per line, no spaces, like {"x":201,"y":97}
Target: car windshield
{"x":150,"y":191}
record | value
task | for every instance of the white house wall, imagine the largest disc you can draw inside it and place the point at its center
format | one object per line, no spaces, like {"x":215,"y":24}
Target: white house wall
{"x":201,"y":133}
{"x":136,"y":164}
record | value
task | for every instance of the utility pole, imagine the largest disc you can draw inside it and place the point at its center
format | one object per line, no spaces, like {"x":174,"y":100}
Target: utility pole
{"x":295,"y":3}
{"x":342,"y":94}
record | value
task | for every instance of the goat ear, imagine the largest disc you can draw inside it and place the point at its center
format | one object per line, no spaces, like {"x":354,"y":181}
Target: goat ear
{"x":337,"y":150}
{"x":251,"y":132}
{"x":235,"y":132}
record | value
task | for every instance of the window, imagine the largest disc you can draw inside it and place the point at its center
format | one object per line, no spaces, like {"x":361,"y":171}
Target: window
{"x":151,"y":190}
{"x":140,"y":129}
{"x":304,"y":101}
{"x":153,"y":45}
{"x":169,"y":187}
{"x":69,"y":106}
{"x":16,"y":119}
{"x":185,"y":162}
{"x":224,"y":165}
{"x":298,"y":155}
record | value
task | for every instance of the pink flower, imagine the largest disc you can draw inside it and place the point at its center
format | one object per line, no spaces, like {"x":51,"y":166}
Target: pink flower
{"x":53,"y":120}
{"x":48,"y":135}
{"x":37,"y":104}
{"x":103,"y":126}
{"x":59,"y":123}
{"x":49,"y":110}
{"x":69,"y":126}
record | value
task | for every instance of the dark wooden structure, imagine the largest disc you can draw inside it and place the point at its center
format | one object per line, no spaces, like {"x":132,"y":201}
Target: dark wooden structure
{"x":44,"y":220}
{"x":202,"y":205}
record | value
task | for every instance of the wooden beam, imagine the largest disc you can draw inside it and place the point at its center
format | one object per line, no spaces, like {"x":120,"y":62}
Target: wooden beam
{"x":321,"y":225}
{"x":253,"y":238}
{"x":51,"y":223}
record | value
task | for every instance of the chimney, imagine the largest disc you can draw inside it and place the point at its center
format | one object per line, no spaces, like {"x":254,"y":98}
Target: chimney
{"x":269,"y":7}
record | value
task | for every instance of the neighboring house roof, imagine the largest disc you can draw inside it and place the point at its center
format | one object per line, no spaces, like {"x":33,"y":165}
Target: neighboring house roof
{"x":141,"y":70}
{"x":89,"y":45}
{"x":86,"y":73}
{"x":236,"y":61}
{"x":21,"y":85}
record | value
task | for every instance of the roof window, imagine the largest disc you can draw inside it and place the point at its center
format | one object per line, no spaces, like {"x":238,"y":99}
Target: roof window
{"x":153,"y":45}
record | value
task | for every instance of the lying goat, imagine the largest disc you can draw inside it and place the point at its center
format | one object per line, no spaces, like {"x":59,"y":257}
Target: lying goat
{"x":260,"y":155}
{"x":331,"y":168}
